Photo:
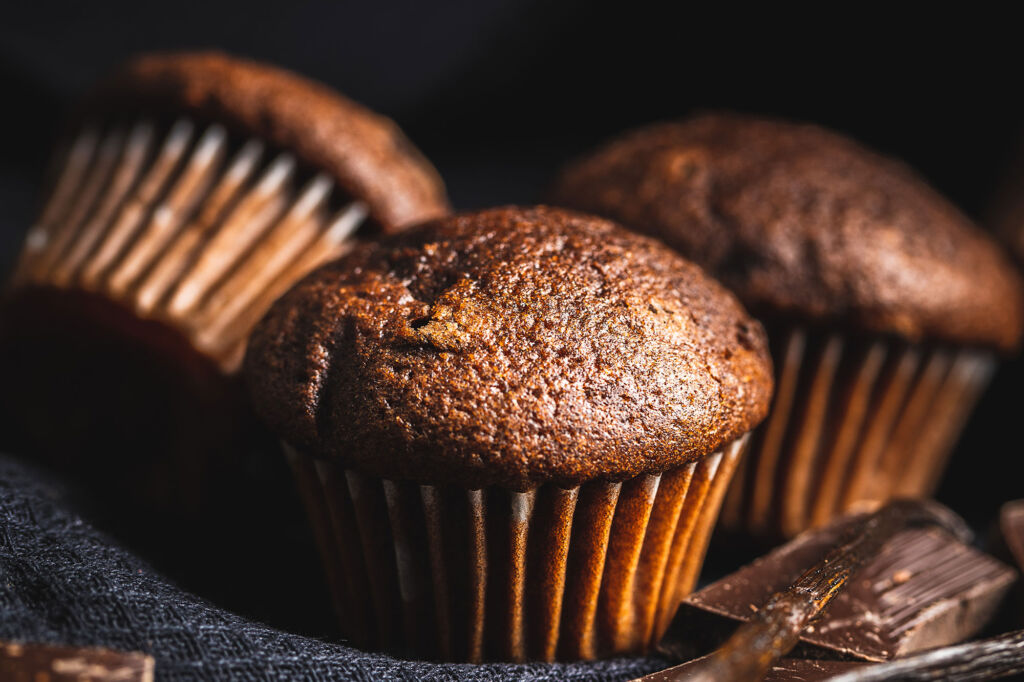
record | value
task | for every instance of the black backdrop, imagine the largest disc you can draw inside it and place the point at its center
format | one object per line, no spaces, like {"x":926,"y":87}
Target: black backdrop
{"x":500,"y":92}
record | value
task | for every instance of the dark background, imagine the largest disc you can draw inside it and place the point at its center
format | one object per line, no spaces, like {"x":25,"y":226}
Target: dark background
{"x":499,"y":93}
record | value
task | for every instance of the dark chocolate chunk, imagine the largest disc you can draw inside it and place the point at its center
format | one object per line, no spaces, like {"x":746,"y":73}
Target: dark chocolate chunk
{"x":784,"y":670}
{"x":775,"y":629}
{"x":22,"y":662}
{"x":987,"y":659}
{"x":926,"y":588}
{"x":810,"y":670}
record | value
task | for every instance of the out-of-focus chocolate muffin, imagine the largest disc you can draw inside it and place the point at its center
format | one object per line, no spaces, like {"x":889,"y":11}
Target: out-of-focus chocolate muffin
{"x":195,"y":188}
{"x":883,"y":302}
{"x":511,"y":397}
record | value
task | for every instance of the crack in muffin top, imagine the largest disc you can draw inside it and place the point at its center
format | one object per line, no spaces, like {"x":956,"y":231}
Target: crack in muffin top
{"x":803,"y":222}
{"x":512,"y":347}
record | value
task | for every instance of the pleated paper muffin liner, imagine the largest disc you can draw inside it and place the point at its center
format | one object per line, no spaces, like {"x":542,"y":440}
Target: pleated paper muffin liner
{"x":493,"y":574}
{"x":854,"y":423}
{"x":185,"y":225}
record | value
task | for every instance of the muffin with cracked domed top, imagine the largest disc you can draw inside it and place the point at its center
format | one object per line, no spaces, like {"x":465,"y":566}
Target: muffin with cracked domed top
{"x":512,"y":397}
{"x":886,"y":306}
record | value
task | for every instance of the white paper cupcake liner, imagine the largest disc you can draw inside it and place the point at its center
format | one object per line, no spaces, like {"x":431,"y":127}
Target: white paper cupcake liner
{"x":493,"y":574}
{"x":186,"y":226}
{"x":853,"y":424}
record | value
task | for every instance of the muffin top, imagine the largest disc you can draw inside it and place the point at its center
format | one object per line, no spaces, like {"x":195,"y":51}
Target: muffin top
{"x":802,"y":222}
{"x":512,"y":346}
{"x":366,"y":154}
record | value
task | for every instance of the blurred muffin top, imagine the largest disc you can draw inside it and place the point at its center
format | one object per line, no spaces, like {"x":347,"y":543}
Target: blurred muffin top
{"x":512,"y":346}
{"x":803,"y":222}
{"x":365,"y":153}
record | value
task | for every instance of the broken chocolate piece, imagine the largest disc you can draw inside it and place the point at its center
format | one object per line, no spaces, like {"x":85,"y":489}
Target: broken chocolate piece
{"x":21,"y":662}
{"x":784,"y":670}
{"x":926,"y":588}
{"x":775,"y":628}
{"x":810,"y":670}
{"x":987,"y":659}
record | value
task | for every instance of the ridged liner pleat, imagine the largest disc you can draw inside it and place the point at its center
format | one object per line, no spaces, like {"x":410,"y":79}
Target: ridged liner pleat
{"x":186,"y":226}
{"x":493,"y":574}
{"x":854,"y":423}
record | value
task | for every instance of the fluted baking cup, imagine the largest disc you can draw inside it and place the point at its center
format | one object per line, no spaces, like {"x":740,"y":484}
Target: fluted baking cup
{"x":854,"y":422}
{"x":187,"y":226}
{"x":494,"y":574}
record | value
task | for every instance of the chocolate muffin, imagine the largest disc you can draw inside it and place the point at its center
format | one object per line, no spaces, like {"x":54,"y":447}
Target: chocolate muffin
{"x":884,"y":303}
{"x":195,"y":189}
{"x":513,"y":397}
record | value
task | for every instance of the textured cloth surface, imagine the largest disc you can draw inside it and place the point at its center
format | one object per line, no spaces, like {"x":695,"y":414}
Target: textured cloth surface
{"x":64,"y":581}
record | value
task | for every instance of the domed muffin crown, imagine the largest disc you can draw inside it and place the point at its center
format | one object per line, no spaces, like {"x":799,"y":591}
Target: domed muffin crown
{"x":513,"y":346}
{"x":365,"y":153}
{"x":804,"y":222}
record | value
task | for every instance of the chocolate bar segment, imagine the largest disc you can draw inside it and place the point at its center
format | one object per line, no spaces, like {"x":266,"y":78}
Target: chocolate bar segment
{"x":21,"y":662}
{"x":924,"y":589}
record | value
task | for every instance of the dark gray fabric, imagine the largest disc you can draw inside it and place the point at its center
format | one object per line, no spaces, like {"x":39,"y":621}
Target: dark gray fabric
{"x":63,"y":581}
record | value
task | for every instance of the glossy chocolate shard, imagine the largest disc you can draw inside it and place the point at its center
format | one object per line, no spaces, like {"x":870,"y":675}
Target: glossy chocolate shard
{"x":52,"y":663}
{"x":924,"y":589}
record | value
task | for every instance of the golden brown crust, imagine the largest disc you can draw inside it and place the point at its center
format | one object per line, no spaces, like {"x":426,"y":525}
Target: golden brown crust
{"x":803,"y":222}
{"x":510,"y":346}
{"x":365,"y":153}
